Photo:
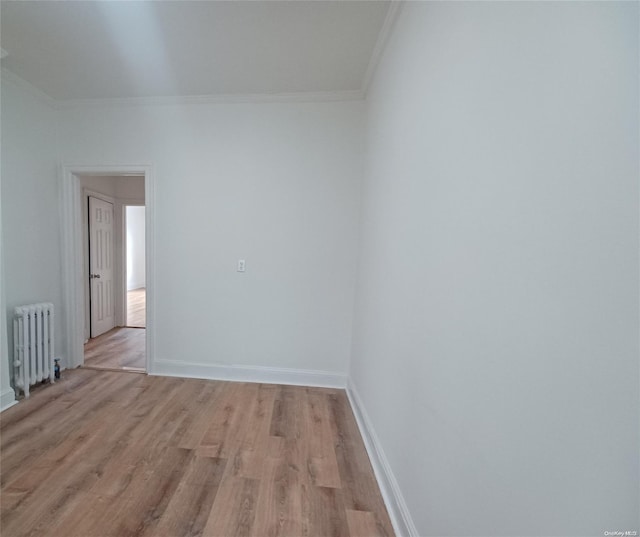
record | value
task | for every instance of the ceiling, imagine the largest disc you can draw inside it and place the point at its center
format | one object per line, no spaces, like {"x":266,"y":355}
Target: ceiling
{"x":134,"y":49}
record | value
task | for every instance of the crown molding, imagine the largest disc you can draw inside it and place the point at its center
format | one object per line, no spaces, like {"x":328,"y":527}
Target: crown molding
{"x":297,"y":97}
{"x":21,"y":83}
{"x":378,"y":50}
{"x":292,"y":97}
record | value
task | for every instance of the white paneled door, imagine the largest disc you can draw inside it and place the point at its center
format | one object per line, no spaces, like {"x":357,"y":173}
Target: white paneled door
{"x":101,"y":265}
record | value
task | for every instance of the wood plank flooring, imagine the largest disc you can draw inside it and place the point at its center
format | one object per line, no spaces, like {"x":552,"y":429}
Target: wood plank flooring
{"x":112,"y":454}
{"x":136,"y":307}
{"x":119,"y":348}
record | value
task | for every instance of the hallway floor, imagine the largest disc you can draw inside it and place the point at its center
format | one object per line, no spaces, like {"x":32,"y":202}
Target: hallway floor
{"x":120,"y":348}
{"x":136,"y":308}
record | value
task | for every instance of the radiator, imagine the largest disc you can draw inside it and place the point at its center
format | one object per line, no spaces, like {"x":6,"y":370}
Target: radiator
{"x":33,"y":345}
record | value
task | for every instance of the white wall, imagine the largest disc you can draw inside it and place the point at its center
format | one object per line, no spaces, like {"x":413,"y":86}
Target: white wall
{"x":275,"y":184}
{"x":135,"y":247}
{"x":7,"y":395}
{"x":496,"y":328}
{"x":30,"y":214}
{"x":119,"y":187}
{"x":129,"y":189}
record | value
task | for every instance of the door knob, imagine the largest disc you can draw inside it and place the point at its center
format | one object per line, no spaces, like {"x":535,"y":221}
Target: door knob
{"x":94,"y":276}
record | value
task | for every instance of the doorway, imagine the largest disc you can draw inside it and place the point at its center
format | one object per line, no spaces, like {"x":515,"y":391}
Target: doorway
{"x":115,"y":272}
{"x":73,"y":267}
{"x":135,"y":266}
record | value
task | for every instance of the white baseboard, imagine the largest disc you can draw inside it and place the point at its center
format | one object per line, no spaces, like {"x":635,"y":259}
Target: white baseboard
{"x":243,"y":373}
{"x":396,"y":506}
{"x":7,"y":399}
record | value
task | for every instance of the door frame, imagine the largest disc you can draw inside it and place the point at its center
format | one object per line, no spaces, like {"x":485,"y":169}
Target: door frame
{"x":73,"y":258}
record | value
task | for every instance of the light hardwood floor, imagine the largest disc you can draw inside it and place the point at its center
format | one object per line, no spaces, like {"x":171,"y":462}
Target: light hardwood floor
{"x":112,"y":454}
{"x":136,"y":304}
{"x":119,"y":348}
